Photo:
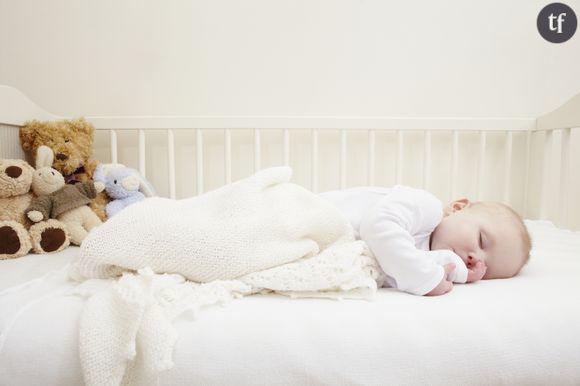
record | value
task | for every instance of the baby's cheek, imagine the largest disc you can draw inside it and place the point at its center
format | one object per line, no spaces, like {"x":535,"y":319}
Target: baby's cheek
{"x":489,"y":272}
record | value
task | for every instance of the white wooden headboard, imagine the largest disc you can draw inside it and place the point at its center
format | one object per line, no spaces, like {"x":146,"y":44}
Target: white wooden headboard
{"x":528,"y":163}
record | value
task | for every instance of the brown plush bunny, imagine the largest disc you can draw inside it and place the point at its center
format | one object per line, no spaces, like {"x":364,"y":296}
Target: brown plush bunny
{"x":67,"y":203}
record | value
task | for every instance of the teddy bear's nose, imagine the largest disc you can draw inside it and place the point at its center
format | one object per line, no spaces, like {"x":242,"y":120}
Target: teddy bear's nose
{"x":13,"y":171}
{"x":61,"y":157}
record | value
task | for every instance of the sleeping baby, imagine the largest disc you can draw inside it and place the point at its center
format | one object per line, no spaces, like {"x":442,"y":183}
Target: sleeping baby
{"x":424,"y":248}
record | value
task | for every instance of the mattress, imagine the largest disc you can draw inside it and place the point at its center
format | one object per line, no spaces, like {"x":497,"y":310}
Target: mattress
{"x":520,"y":331}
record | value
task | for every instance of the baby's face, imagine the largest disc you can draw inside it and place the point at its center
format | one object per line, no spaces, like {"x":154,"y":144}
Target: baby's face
{"x":480,"y":235}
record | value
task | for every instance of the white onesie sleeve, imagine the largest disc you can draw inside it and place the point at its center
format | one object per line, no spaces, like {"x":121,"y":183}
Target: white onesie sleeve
{"x":445,"y":256}
{"x":389,"y":227}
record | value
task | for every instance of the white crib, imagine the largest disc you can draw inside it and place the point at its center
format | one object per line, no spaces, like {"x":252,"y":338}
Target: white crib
{"x":518,"y":331}
{"x":527,"y":163}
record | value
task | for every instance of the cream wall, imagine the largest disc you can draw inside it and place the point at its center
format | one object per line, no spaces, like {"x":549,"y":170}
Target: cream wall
{"x":299,"y":57}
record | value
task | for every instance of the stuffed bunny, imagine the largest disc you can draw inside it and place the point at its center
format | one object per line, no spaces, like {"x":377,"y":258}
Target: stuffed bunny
{"x":123,"y":185}
{"x":55,"y":199}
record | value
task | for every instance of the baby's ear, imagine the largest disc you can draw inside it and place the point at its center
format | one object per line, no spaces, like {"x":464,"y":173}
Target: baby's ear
{"x":456,"y":205}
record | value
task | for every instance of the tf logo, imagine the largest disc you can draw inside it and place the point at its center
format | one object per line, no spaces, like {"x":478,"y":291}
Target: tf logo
{"x":557,"y":22}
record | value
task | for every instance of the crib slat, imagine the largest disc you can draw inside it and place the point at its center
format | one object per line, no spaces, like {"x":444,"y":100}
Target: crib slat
{"x":342,"y":158}
{"x":399,"y":166}
{"x":547,"y":177}
{"x":427,"y":160}
{"x":527,"y":172}
{"x":314,"y":172}
{"x":371,"y":159}
{"x":481,"y":166}
{"x":114,"y":149}
{"x":508,"y":167}
{"x":257,"y":150}
{"x":199,"y":160}
{"x":228,"y":155}
{"x":454,"y":164}
{"x":142,"y":153}
{"x":286,"y":147}
{"x":171,"y":162}
{"x":564,"y":174}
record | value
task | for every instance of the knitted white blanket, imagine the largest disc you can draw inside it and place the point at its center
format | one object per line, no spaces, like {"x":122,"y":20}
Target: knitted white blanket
{"x":259,"y":234}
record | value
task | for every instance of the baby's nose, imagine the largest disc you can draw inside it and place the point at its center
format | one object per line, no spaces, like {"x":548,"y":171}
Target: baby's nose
{"x":471,"y":261}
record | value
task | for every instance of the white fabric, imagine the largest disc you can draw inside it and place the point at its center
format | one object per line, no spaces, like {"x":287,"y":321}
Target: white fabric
{"x":520,"y":331}
{"x":260,"y":233}
{"x":253,"y":224}
{"x":396,"y":223}
{"x":17,"y":271}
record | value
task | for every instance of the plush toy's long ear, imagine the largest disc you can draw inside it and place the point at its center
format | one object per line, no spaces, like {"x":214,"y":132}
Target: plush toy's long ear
{"x":44,"y":157}
{"x":145,"y":187}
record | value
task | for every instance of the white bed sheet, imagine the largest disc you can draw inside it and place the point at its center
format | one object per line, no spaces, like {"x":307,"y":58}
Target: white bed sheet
{"x":32,"y":266}
{"x":521,"y":331}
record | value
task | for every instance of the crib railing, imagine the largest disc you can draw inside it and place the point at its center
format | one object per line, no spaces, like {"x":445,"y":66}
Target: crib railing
{"x":557,"y":175}
{"x":343,"y":126}
{"x":561,"y":164}
{"x":536,"y":174}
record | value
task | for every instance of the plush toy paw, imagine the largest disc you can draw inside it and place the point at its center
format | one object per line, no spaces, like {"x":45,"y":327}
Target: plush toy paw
{"x":49,"y":236}
{"x":79,"y":222}
{"x":14,"y":240}
{"x":35,"y":216}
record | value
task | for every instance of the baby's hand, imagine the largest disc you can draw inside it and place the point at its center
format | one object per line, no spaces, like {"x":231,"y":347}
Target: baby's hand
{"x":445,"y":285}
{"x":477,"y":272}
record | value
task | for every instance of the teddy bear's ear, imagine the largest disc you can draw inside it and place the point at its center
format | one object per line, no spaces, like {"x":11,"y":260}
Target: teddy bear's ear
{"x":27,"y":135}
{"x":81,"y":125}
{"x":44,"y":157}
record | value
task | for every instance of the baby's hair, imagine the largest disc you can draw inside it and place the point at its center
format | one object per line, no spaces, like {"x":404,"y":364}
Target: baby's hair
{"x":499,"y":208}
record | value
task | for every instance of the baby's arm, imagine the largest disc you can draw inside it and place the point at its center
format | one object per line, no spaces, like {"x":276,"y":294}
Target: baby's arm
{"x":445,"y":285}
{"x":389,"y":227}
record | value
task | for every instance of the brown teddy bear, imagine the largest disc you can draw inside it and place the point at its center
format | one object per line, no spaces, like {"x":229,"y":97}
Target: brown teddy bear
{"x":17,"y":234}
{"x":56,"y":199}
{"x":72,"y":144}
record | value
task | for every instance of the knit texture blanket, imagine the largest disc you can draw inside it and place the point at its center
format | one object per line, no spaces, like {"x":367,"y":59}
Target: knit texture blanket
{"x":164,"y":257}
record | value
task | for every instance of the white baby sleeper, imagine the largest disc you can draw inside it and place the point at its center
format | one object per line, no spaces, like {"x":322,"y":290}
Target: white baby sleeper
{"x":396,"y":223}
